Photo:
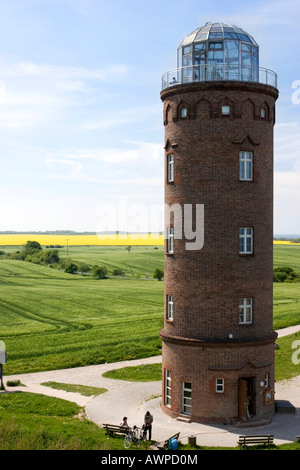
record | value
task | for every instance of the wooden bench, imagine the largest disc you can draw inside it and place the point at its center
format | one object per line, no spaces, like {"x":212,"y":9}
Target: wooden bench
{"x":165,"y":444}
{"x":114,"y":429}
{"x":266,"y":439}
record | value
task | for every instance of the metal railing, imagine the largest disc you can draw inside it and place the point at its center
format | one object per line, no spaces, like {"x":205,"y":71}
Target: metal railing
{"x":218,"y":72}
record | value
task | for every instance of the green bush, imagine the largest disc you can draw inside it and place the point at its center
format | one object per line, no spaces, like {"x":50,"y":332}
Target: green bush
{"x":158,"y":274}
{"x":284,"y":274}
{"x":71,"y":268}
{"x":99,"y":272}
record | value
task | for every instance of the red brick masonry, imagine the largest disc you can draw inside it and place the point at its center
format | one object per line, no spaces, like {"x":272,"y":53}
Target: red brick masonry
{"x":205,"y":339}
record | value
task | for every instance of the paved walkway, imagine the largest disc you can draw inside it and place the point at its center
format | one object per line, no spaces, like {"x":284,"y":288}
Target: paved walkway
{"x":133,"y":399}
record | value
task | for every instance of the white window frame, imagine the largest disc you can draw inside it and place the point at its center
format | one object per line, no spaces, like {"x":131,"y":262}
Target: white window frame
{"x":170,"y":168}
{"x":246,"y":166}
{"x":245,"y":311}
{"x":186,"y":405}
{"x":170,"y":240}
{"x":170,"y":307}
{"x":267,"y":380}
{"x":168,"y":387}
{"x":219,"y":385}
{"x":246,"y":241}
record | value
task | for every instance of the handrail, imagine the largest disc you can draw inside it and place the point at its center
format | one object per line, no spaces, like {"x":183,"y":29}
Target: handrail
{"x":218,"y":72}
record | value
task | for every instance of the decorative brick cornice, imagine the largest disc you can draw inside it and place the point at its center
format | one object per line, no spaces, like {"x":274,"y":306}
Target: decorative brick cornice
{"x":217,"y":343}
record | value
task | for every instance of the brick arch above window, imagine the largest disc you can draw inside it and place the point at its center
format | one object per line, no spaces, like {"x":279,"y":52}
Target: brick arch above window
{"x":246,"y":140}
{"x":266,"y":108}
{"x":168,"y":114}
{"x":225,"y":107}
{"x":248,"y":109}
{"x":203,"y":108}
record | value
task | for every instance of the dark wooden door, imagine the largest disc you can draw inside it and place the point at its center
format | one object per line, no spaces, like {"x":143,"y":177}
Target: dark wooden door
{"x":243,"y":396}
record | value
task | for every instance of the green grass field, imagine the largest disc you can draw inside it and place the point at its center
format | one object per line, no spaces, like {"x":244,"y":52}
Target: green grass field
{"x":50,"y":319}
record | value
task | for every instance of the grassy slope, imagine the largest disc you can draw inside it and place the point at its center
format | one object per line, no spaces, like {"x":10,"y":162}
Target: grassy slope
{"x":54,"y":320}
{"x":139,"y":262}
{"x":47,"y":317}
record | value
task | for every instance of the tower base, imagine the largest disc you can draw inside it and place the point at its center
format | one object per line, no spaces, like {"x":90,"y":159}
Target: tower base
{"x":222,"y":382}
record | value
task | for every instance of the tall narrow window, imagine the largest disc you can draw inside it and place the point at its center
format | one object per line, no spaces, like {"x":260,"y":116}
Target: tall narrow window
{"x":246,"y":240}
{"x":246,"y":166}
{"x":187,"y":398}
{"x":170,"y":307}
{"x":170,"y":171}
{"x":170,"y":240}
{"x":219,"y":385}
{"x":267,"y":380}
{"x":167,"y":387}
{"x":245,"y":311}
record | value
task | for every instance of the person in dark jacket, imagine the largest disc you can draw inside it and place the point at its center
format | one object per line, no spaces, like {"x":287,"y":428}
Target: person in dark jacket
{"x":148,"y":420}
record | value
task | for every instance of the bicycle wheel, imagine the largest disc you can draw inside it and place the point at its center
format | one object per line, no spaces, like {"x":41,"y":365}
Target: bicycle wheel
{"x":127,"y":441}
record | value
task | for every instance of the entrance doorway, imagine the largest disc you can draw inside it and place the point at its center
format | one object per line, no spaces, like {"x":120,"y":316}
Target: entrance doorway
{"x":247,"y":402}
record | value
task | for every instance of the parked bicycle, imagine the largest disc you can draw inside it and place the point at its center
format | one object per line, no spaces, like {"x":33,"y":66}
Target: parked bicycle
{"x":135,"y":435}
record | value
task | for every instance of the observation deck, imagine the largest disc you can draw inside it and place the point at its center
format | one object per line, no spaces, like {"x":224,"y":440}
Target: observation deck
{"x":218,"y":72}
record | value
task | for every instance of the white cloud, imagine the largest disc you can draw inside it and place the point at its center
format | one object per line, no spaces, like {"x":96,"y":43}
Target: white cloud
{"x":287,"y":138}
{"x":141,"y":164}
{"x":57,"y":73}
{"x":286,"y":202}
{"x":37,"y":94}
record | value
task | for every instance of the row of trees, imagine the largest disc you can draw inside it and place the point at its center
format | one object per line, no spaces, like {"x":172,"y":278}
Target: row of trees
{"x":33,"y":253}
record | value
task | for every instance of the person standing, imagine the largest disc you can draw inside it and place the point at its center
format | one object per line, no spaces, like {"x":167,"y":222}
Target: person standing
{"x":148,"y":420}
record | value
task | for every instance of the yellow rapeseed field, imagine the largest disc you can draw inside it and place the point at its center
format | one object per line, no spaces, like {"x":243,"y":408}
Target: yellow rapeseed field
{"x":284,"y":242}
{"x":79,"y":240}
{"x":76,"y":240}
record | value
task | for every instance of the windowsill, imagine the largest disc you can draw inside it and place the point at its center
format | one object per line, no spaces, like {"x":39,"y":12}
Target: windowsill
{"x":246,"y":254}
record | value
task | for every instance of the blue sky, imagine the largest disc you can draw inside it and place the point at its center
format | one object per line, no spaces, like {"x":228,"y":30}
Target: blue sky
{"x":80,"y":111}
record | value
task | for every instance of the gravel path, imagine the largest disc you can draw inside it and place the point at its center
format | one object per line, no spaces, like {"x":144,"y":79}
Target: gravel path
{"x":133,"y":399}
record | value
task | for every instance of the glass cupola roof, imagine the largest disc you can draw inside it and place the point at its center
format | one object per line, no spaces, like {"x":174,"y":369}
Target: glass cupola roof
{"x":218,"y":31}
{"x":218,"y":51}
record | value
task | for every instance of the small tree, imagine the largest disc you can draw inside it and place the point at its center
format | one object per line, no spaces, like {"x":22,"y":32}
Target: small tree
{"x":31,"y":247}
{"x":158,"y":274}
{"x":71,"y":268}
{"x":99,"y":272}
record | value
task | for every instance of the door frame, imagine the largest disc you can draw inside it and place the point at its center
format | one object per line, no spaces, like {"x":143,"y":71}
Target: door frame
{"x":246,"y":397}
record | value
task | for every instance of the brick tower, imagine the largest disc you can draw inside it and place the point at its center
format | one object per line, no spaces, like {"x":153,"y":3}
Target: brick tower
{"x":218,"y":338}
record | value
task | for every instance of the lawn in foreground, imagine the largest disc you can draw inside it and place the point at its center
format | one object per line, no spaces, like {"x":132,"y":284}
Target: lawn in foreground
{"x":36,"y":422}
{"x":30,"y":421}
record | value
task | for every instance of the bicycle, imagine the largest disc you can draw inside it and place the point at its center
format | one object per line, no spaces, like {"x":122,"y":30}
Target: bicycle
{"x":135,"y":435}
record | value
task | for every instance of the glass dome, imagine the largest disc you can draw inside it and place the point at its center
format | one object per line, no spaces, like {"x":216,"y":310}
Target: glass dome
{"x":222,"y":50}
{"x":219,"y":51}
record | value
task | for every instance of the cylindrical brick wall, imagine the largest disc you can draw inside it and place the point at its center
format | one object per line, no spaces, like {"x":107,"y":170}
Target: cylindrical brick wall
{"x":206,"y":285}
